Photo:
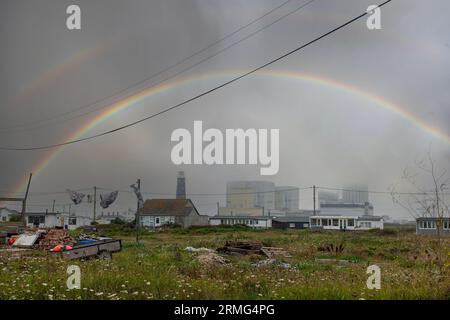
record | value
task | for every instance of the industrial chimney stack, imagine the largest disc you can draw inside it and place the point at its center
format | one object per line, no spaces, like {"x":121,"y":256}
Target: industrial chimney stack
{"x":181,"y":185}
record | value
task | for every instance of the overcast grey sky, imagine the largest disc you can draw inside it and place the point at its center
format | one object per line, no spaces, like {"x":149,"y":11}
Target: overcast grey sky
{"x":329,"y":135}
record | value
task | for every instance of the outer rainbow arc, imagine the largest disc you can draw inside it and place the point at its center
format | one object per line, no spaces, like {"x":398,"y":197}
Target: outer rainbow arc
{"x":320,"y":80}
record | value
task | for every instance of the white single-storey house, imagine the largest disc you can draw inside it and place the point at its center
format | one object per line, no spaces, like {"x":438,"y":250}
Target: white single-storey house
{"x":250,"y":221}
{"x":337,"y":222}
{"x":157,"y":213}
{"x":41,"y":219}
{"x":56,"y":220}
{"x":6,"y":214}
{"x":429,"y":225}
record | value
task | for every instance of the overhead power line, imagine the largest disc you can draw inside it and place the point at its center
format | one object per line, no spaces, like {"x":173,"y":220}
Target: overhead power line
{"x":382,"y":192}
{"x":211,"y":194}
{"x":195,"y":97}
{"x":160,"y":72}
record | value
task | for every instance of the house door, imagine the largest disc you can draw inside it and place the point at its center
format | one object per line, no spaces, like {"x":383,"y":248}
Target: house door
{"x":342,"y":224}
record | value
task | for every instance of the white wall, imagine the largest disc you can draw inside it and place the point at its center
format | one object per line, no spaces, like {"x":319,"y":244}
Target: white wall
{"x":156,"y":221}
{"x":342,"y":222}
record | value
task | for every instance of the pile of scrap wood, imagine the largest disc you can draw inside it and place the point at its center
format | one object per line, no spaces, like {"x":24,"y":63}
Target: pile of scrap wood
{"x":55,"y":237}
{"x":246,"y":248}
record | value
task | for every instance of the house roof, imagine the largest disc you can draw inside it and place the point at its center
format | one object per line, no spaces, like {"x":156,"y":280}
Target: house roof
{"x":242,"y":217}
{"x":40,"y":213}
{"x":359,"y":218}
{"x":11,"y":211}
{"x":432,"y":218}
{"x":369,"y":218}
{"x":292,"y":219}
{"x":168,"y":207}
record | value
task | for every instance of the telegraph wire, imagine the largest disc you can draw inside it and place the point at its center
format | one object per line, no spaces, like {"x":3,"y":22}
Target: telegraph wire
{"x":176,"y":106}
{"x":154,"y":75}
{"x":382,"y":192}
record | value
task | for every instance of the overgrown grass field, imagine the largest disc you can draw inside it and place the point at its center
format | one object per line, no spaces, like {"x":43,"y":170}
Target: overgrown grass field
{"x":159,"y":267}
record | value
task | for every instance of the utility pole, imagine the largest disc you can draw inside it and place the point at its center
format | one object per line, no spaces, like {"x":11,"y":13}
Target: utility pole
{"x":314,"y":199}
{"x":53,"y":206}
{"x":138,"y":222}
{"x":217,"y":207}
{"x":24,"y":202}
{"x":95,"y":201}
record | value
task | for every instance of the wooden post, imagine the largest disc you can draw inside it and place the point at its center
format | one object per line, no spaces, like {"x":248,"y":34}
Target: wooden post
{"x":95,"y":201}
{"x":24,"y":201}
{"x":314,"y":199}
{"x":138,"y":222}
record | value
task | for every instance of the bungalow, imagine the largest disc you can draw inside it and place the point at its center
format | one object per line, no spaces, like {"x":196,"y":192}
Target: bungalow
{"x":292,"y":222}
{"x":337,"y":222}
{"x":6,"y":214}
{"x":159,"y":212}
{"x":250,"y":221}
{"x":428,"y":226}
{"x":41,"y":219}
{"x":55,"y":220}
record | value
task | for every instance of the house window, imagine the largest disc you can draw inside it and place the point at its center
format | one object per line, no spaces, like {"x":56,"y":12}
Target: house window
{"x":157,"y":220}
{"x":335,"y":222}
{"x":36,"y":220}
{"x":446,"y":225}
{"x":325,"y":222}
{"x":351,"y":222}
{"x":314,"y":222}
{"x":427,"y":224}
{"x":365,"y":224}
{"x":3,"y":218}
{"x":72,"y":221}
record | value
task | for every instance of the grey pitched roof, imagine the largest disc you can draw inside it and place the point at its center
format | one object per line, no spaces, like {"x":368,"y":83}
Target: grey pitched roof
{"x":168,"y":207}
{"x":292,"y":219}
{"x":242,"y":217}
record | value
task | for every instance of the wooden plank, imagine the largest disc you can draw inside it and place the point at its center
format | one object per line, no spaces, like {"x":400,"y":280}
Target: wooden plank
{"x":266,"y":252}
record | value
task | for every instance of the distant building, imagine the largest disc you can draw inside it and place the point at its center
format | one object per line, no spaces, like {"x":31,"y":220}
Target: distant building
{"x":287,"y":198}
{"x":429,"y":226}
{"x":349,"y":209}
{"x":355,"y":194}
{"x":250,"y":221}
{"x":181,"y":186}
{"x":292,"y":222}
{"x":159,"y":212}
{"x":225,"y":211}
{"x":301,"y":213}
{"x":326,"y":197}
{"x":336,"y":222}
{"x":107,"y":217}
{"x":251,"y":194}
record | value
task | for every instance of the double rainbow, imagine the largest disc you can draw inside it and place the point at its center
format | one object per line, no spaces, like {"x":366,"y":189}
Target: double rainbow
{"x":132,"y":100}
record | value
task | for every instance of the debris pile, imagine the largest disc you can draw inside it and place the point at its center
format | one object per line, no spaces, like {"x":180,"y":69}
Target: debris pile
{"x":269,"y":262}
{"x":334,"y":249}
{"x":247,"y":248}
{"x":210,"y":258}
{"x":192,"y":249}
{"x":238,"y":247}
{"x":55,"y":237}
